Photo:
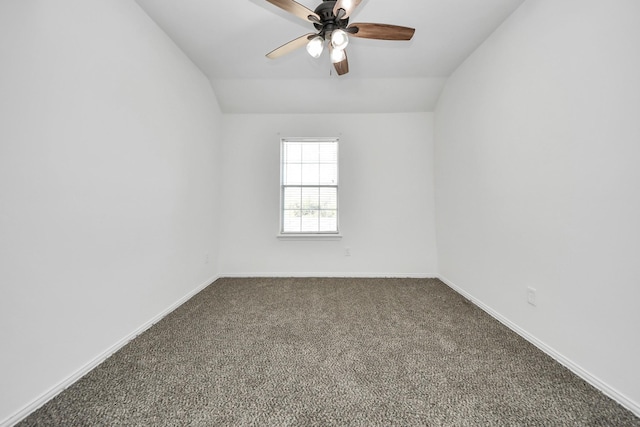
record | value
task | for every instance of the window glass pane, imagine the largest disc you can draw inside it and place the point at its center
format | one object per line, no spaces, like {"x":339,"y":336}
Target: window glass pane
{"x":328,"y":223}
{"x":292,"y":198}
{"x":310,"y":153}
{"x":328,"y":174}
{"x":291,"y":221}
{"x":292,"y":152}
{"x":292,"y":174}
{"x":310,"y":198}
{"x":329,"y":198}
{"x":310,"y":221}
{"x":328,"y":152}
{"x":310,"y":173}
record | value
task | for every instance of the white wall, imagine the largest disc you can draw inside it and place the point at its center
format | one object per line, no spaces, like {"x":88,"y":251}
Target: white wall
{"x":538,"y":184}
{"x":385,"y":196}
{"x":108,"y":185}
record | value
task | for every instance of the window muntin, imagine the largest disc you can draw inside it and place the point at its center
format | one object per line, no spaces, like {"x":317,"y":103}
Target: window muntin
{"x":309,"y":186}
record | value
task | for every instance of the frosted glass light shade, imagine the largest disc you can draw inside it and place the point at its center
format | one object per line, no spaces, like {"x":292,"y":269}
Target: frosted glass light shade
{"x":339,"y":39}
{"x":315,"y":46}
{"x":337,"y":55}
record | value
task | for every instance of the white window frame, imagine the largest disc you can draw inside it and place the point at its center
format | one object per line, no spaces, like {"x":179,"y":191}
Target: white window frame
{"x":320,"y":235}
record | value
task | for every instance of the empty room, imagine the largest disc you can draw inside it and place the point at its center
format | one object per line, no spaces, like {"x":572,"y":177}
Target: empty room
{"x":338,"y":212}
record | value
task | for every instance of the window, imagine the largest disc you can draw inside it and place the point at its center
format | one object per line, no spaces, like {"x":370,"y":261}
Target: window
{"x":309,"y":186}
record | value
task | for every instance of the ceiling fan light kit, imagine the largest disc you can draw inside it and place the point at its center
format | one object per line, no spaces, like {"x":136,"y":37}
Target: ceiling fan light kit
{"x":331,"y":20}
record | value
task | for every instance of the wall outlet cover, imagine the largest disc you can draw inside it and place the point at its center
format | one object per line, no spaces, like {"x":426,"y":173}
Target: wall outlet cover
{"x":531,"y":295}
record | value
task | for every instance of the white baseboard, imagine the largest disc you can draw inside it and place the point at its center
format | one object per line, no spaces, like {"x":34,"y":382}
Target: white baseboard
{"x":559,"y":357}
{"x":336,"y":274}
{"x":61,"y":386}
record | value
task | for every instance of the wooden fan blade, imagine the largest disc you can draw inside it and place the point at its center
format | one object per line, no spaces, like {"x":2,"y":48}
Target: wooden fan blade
{"x":290,"y":46}
{"x":296,"y":9}
{"x":342,"y":67}
{"x":347,"y":5}
{"x":381,"y":31}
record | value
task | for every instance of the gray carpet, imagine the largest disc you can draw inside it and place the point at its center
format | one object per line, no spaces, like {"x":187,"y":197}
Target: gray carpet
{"x":346,"y":352}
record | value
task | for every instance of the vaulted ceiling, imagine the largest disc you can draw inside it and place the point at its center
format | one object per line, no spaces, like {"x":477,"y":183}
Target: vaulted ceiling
{"x":228,"y":41}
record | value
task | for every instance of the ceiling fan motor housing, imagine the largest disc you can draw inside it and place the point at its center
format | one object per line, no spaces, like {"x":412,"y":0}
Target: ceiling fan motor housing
{"x":328,"y":21}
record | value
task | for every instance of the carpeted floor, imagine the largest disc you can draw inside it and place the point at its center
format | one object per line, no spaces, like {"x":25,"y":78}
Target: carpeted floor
{"x":346,"y":352}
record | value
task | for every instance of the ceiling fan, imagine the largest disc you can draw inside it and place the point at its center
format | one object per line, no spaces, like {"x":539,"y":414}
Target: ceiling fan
{"x":331,"y":19}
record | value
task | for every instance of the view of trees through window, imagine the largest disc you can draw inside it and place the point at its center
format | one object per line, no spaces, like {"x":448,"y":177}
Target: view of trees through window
{"x":309,"y":192}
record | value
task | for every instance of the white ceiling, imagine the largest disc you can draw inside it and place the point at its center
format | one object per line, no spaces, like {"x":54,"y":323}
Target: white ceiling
{"x":228,"y":41}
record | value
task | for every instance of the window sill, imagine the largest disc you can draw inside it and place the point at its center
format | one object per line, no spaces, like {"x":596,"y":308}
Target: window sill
{"x":309,"y":236}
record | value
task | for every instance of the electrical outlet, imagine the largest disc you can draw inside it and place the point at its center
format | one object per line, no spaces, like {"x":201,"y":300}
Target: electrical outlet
{"x":531,"y":295}
{"x":347,"y":251}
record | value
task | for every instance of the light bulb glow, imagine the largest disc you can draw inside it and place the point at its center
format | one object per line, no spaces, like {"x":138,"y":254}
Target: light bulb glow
{"x":337,"y":55}
{"x":315,"y":46}
{"x":339,"y":39}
